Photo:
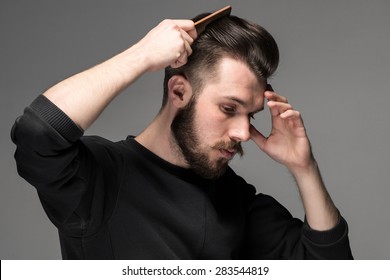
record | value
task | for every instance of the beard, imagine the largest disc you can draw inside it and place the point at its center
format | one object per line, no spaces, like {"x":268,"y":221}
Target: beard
{"x":188,"y":138}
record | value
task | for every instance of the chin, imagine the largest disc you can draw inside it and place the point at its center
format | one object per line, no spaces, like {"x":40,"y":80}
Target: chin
{"x":215,"y":172}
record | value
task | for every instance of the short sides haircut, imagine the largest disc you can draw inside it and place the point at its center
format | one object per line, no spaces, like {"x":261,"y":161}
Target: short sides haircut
{"x":229,"y":36}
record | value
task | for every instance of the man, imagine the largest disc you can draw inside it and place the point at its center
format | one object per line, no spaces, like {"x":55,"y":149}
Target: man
{"x":169,"y":193}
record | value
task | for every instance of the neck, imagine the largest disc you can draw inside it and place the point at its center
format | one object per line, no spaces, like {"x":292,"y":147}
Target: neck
{"x":158,"y":139}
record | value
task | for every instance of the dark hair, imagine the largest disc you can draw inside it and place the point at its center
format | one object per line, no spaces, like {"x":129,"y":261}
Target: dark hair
{"x":228,"y":36}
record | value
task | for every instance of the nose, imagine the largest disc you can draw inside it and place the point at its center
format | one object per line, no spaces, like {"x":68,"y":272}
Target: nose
{"x":239,"y":132}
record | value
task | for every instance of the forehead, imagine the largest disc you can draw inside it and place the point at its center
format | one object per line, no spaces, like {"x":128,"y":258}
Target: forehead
{"x":234,"y":80}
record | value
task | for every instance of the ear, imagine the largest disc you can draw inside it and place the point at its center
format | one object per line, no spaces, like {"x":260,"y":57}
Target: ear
{"x":179,"y":91}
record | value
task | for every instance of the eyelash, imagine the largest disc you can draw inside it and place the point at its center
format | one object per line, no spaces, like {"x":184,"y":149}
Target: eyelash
{"x":230,"y":110}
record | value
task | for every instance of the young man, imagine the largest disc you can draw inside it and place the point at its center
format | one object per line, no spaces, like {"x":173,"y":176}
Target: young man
{"x":169,"y":193}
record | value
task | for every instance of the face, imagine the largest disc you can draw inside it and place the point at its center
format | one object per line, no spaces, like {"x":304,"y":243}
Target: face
{"x":210,"y":129}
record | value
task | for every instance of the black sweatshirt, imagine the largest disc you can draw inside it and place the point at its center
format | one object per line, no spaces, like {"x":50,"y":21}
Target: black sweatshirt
{"x":120,"y":201}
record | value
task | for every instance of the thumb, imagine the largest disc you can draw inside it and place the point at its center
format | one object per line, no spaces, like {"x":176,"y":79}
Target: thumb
{"x":188,"y":26}
{"x":257,"y":137}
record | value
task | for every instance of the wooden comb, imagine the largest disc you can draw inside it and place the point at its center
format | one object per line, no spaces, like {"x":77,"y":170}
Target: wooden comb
{"x":201,"y":24}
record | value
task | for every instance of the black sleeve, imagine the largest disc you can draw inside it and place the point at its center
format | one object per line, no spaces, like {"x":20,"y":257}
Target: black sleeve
{"x":272,"y":233}
{"x":52,"y":158}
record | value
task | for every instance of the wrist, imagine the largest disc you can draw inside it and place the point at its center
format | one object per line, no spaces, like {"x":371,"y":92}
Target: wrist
{"x":303,"y":170}
{"x":131,"y":63}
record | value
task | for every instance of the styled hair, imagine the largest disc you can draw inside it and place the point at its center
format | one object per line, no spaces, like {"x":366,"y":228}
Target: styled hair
{"x":229,"y":36}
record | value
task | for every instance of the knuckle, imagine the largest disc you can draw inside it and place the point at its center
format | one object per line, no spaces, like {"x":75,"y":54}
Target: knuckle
{"x":166,"y":22}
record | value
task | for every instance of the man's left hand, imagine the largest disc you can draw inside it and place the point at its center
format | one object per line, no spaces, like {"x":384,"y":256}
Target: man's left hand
{"x":287,"y":143}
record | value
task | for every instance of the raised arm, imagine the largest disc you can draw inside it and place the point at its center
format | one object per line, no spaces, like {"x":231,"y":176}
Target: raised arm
{"x":289,"y":145}
{"x":85,"y":95}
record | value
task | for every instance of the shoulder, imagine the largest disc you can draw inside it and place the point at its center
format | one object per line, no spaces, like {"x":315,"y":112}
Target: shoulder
{"x":97,"y":143}
{"x":106,"y":153}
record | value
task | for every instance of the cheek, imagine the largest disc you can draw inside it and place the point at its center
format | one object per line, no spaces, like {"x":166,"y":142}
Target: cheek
{"x":210,"y":122}
{"x":210,"y":127}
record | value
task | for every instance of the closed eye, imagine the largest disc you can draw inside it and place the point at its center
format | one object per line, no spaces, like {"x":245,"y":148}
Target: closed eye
{"x":227,"y":109}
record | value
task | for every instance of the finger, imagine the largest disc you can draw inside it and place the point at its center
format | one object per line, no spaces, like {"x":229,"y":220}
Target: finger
{"x":257,"y":137}
{"x":290,"y":114}
{"x":295,"y":121}
{"x":294,"y":116}
{"x":188,"y":26}
{"x":192,"y":33}
{"x":179,"y":62}
{"x":277,"y":108}
{"x":187,"y":42}
{"x":271,"y":95}
{"x":186,"y":36}
{"x":182,"y":56}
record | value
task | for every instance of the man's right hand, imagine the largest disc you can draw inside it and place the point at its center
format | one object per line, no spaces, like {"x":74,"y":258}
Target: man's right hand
{"x":168,"y":44}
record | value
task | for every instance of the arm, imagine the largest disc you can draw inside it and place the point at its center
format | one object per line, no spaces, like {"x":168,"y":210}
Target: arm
{"x":167,"y":44}
{"x":49,"y":154}
{"x":272,"y":233}
{"x":288,"y":144}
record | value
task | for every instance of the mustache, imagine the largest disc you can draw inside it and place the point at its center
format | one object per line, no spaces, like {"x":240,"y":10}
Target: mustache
{"x":229,"y":145}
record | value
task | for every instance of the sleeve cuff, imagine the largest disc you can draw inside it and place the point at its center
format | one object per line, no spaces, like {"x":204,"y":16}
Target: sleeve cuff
{"x":56,"y":118}
{"x":328,"y":236}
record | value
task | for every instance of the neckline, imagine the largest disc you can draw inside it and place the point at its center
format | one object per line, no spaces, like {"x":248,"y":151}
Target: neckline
{"x":186,"y":174}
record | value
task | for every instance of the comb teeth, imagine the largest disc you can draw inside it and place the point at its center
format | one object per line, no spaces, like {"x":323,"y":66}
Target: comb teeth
{"x":201,"y":24}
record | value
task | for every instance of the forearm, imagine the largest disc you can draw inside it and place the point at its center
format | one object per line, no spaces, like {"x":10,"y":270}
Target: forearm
{"x":85,"y":95}
{"x":273,"y":233}
{"x":321,"y":213}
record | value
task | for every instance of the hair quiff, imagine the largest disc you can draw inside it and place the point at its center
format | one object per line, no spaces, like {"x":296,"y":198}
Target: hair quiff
{"x":229,"y":36}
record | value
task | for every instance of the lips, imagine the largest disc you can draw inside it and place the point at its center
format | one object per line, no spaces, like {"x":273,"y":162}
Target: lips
{"x":228,"y":153}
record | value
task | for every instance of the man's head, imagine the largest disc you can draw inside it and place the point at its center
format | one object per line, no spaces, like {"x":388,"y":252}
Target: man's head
{"x":227,"y":75}
{"x":228,"y":36}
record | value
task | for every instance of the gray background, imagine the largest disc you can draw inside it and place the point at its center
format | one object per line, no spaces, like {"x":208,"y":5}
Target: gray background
{"x":334,"y":68}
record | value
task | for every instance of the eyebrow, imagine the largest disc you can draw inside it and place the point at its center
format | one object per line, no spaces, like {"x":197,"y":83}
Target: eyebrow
{"x":243,"y":103}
